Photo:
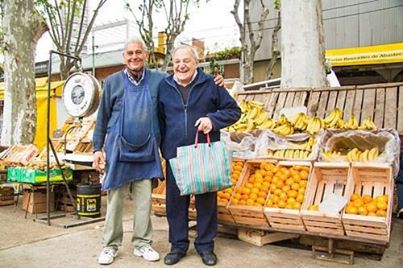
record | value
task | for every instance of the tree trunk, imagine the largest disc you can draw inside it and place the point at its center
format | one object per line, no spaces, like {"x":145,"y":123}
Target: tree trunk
{"x":23,"y":26}
{"x":302,"y":44}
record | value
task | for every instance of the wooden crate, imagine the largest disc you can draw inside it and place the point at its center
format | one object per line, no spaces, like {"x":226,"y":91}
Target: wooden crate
{"x":249,"y":216}
{"x":326,"y":178}
{"x":287,"y":219}
{"x":224,"y":215}
{"x":158,"y":205}
{"x":370,"y":179}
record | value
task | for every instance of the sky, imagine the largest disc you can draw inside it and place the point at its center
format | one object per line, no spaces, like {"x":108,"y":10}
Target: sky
{"x":211,"y":22}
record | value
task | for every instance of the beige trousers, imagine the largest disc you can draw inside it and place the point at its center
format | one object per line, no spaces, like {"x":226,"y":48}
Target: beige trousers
{"x":142,"y":228}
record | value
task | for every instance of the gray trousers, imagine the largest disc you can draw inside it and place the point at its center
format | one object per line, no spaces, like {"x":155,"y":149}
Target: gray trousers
{"x":142,"y":228}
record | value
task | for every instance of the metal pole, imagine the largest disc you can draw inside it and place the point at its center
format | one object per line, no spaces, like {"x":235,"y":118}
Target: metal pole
{"x":93,"y":55}
{"x":48,"y":129}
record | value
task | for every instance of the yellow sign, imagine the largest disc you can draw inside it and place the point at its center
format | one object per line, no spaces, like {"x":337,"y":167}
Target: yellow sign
{"x":389,"y":53}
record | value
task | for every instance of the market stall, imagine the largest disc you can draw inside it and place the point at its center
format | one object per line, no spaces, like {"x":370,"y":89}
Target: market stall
{"x":314,"y":161}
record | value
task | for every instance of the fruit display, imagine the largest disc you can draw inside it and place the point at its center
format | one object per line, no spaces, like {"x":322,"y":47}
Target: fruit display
{"x":295,"y":150}
{"x":224,"y":196}
{"x":353,"y":155}
{"x":287,"y":188}
{"x":255,"y":117}
{"x":255,"y":188}
{"x":365,"y":205}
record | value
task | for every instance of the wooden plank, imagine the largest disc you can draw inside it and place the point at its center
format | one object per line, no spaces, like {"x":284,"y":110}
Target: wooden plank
{"x":379,"y":107}
{"x":400,"y":112}
{"x":341,"y":99}
{"x":368,"y":104}
{"x":299,"y":99}
{"x":261,"y":98}
{"x":289,"y":99}
{"x":280,"y":104}
{"x":358,"y":104}
{"x":331,"y":103}
{"x":321,"y":112}
{"x":313,"y":103}
{"x":260,"y":238}
{"x":271,"y":104}
{"x":391,"y":107}
{"x":349,"y":104}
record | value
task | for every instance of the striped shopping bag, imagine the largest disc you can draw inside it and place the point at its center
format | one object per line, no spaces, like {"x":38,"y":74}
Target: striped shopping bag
{"x":202,"y":167}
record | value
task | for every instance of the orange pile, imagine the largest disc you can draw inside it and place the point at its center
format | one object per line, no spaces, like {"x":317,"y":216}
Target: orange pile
{"x":287,"y":189}
{"x":224,"y":196}
{"x":366,"y":206}
{"x":267,"y":177}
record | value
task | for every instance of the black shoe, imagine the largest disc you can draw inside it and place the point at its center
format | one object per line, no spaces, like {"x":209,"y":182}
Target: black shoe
{"x":209,"y":258}
{"x":173,"y":257}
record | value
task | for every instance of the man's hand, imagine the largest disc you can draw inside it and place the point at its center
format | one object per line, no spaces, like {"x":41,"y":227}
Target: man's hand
{"x":219,"y":80}
{"x":99,"y":161}
{"x":204,"y":124}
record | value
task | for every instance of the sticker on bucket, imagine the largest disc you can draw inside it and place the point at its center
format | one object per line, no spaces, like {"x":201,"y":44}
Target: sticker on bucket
{"x":91,"y":204}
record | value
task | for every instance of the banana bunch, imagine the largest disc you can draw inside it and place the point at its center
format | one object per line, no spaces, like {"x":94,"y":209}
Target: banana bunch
{"x":352,"y":123}
{"x":289,"y":154}
{"x":300,"y":122}
{"x":334,"y":119}
{"x":284,"y":130}
{"x":253,"y":116}
{"x":315,"y":124}
{"x":331,"y":155}
{"x":368,"y":124}
{"x":355,"y":155}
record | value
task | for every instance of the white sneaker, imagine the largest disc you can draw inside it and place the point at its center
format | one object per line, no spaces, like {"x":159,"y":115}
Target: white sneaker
{"x":147,"y":252}
{"x":107,"y":255}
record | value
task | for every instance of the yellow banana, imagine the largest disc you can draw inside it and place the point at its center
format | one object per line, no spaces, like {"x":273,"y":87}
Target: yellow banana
{"x":373,"y":153}
{"x":364,"y":156}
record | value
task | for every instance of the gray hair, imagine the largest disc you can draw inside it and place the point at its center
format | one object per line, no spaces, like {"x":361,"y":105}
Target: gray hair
{"x":193,"y":51}
{"x":136,"y":40}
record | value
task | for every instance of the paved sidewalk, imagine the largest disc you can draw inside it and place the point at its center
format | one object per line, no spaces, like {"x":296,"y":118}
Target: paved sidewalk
{"x":24,"y":243}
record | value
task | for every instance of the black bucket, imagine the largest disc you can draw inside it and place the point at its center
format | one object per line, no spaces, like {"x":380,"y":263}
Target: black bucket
{"x":89,"y":200}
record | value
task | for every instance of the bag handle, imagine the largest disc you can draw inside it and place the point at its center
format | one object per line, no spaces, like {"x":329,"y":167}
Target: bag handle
{"x":197,"y":139}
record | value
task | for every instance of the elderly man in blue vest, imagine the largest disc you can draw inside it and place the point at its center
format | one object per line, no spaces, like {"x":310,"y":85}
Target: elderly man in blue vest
{"x":189,"y":102}
{"x":127,"y":127}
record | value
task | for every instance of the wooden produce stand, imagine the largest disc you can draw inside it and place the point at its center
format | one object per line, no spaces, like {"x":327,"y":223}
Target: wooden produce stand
{"x":380,"y":103}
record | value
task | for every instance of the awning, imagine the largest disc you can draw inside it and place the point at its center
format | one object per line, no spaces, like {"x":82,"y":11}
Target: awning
{"x":382,"y":54}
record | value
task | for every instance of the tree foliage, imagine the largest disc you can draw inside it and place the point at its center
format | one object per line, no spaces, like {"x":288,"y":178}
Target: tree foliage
{"x":69,"y":29}
{"x":250,"y":37}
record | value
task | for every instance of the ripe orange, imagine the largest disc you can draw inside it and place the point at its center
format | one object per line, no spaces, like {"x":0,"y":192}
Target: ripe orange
{"x":382,"y":205}
{"x":295,"y":186}
{"x":313,"y":208}
{"x":292,"y":193}
{"x":381,"y":213}
{"x":235,"y":201}
{"x":300,"y":198}
{"x":362,"y":211}
{"x":286,"y":188}
{"x":355,"y":197}
{"x":366,"y":199}
{"x":260,"y":200}
{"x":371,"y":207}
{"x":242,"y":202}
{"x":351,"y":210}
{"x":262,"y":194}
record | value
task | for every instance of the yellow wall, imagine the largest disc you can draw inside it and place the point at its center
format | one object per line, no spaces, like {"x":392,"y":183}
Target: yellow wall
{"x":41,"y":106}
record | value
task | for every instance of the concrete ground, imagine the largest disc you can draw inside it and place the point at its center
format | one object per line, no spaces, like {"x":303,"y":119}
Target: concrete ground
{"x":25,"y":243}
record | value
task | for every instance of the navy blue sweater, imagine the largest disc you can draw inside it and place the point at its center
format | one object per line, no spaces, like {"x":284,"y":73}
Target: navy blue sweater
{"x":177,"y":118}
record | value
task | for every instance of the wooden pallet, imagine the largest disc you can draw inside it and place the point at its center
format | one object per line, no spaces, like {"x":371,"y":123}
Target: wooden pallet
{"x":326,"y":178}
{"x":383,"y":103}
{"x":370,"y":179}
{"x":252,"y":216}
{"x":282,"y":218}
{"x":261,"y":238}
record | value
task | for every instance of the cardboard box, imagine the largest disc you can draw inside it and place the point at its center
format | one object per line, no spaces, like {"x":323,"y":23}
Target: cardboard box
{"x":35,"y":202}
